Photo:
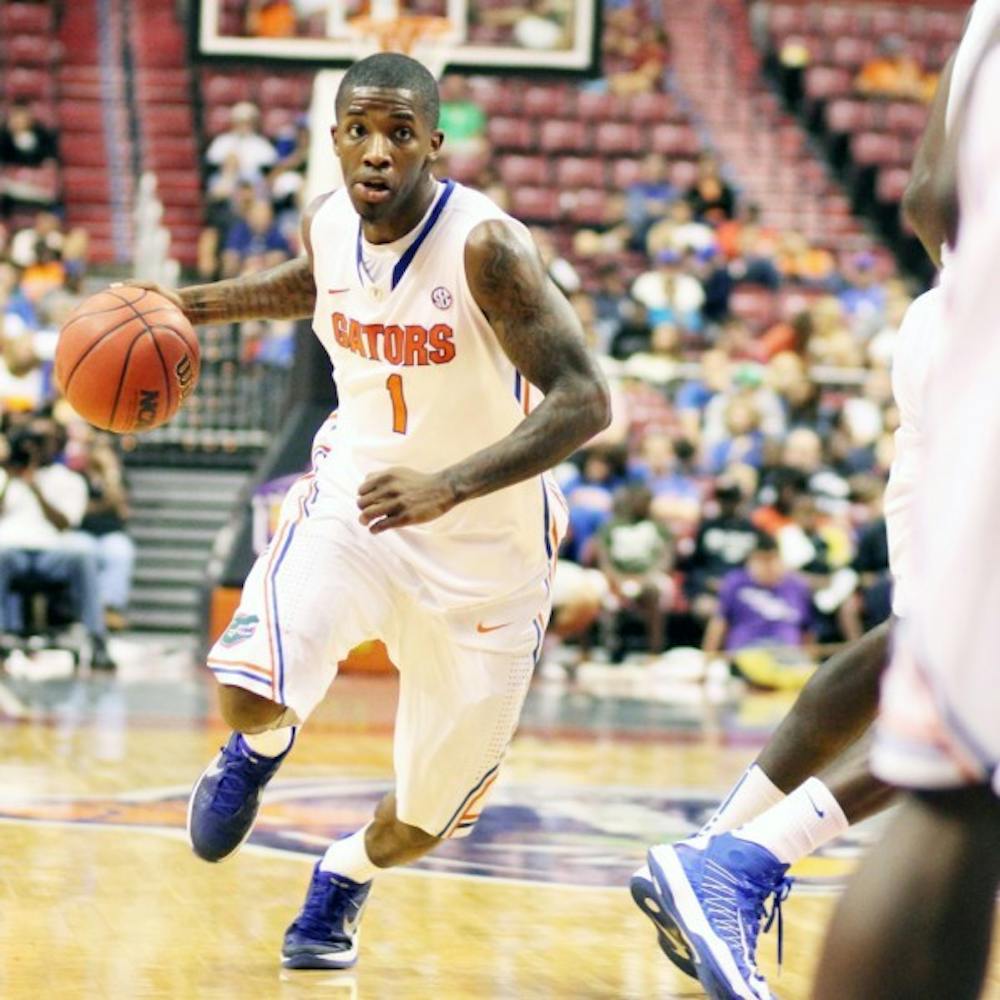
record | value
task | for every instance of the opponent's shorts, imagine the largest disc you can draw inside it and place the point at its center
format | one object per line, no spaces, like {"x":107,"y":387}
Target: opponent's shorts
{"x":324,"y":585}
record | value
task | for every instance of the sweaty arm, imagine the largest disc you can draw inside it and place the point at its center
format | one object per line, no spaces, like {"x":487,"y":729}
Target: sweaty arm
{"x":542,"y":337}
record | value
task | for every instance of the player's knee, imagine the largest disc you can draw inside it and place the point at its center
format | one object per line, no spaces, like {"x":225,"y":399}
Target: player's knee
{"x":247,"y":712}
{"x":390,"y":841}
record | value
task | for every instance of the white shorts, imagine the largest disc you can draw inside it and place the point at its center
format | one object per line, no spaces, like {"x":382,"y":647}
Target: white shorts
{"x":323,"y":586}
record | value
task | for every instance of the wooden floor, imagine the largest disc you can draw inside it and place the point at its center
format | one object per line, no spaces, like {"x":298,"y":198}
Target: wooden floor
{"x":100,"y":897}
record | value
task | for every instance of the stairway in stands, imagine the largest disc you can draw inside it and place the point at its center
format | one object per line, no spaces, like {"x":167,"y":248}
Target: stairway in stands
{"x":176,"y":515}
{"x":718,"y":72}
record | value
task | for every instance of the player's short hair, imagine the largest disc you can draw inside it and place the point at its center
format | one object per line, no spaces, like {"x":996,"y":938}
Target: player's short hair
{"x":394,"y":71}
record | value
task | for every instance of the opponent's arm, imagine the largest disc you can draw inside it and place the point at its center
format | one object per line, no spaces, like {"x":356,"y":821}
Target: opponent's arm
{"x":287,"y":291}
{"x":920,"y":204}
{"x":540,"y":333}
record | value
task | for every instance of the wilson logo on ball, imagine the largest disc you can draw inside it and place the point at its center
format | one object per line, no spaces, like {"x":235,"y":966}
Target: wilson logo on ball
{"x":185,"y":376}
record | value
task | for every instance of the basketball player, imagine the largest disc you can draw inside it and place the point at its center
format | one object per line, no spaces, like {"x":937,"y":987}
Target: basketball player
{"x":429,"y":519}
{"x":779,"y":813}
{"x":926,"y":896}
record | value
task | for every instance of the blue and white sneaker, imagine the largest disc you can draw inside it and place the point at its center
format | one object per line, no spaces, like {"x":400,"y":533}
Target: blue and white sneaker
{"x":668,"y":935}
{"x":715,"y":891}
{"x":325,"y":934}
{"x":225,"y":800}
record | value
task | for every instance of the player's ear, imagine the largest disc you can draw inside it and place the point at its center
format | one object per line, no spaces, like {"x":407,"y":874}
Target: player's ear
{"x":437,"y":140}
{"x":333,"y":136}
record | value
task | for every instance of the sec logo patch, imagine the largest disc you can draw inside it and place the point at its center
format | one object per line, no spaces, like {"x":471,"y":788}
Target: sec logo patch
{"x":441,"y":297}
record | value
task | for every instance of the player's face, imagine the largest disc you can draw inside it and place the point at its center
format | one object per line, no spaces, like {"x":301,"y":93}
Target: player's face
{"x":386,"y":147}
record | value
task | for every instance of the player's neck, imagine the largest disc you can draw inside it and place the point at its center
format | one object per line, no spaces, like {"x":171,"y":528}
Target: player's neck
{"x":390,"y":230}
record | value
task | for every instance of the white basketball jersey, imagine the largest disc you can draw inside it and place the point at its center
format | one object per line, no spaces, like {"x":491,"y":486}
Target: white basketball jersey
{"x":423,"y":383}
{"x":978,"y":31}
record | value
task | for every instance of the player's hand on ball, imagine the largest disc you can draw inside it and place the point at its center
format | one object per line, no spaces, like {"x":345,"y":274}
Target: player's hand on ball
{"x":397,"y":497}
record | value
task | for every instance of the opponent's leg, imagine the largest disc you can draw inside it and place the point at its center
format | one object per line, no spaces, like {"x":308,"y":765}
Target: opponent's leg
{"x":916,"y":920}
{"x":325,"y":933}
{"x":227,"y":796}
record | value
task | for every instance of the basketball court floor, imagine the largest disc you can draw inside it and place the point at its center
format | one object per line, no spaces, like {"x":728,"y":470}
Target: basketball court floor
{"x":100,"y":896}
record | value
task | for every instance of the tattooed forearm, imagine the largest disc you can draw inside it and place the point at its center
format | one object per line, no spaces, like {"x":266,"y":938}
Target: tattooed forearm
{"x":287,"y":291}
{"x":541,"y":335}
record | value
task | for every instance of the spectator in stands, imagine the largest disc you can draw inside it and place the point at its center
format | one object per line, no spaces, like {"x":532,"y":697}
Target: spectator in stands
{"x":462,"y":120}
{"x":680,"y":231}
{"x":746,"y":381}
{"x":799,"y":262}
{"x":254,"y":243}
{"x":710,"y":197}
{"x":254,"y":153}
{"x":676,"y":491}
{"x":635,"y":553}
{"x":41,"y":501}
{"x":590,"y":495}
{"x":722,"y":543}
{"x":659,"y":362}
{"x":648,"y":199}
{"x":48,"y":233}
{"x":864,"y":296}
{"x":104,"y":527}
{"x":560,"y":270}
{"x":761,"y":605}
{"x":271,"y":19}
{"x":895,"y":73}
{"x":670,"y":293}
{"x":743,"y":443}
{"x":646,"y":52}
{"x":287,"y":178}
{"x":28,"y":154}
{"x":22,"y":379}
{"x":780,"y":488}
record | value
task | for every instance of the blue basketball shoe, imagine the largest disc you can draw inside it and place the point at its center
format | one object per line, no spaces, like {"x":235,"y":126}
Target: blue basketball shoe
{"x":715,"y":891}
{"x":668,"y":935}
{"x":325,"y":934}
{"x":225,"y":799}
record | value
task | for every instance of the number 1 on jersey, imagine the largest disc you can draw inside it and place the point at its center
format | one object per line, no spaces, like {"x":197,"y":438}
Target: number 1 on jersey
{"x":394,"y":383}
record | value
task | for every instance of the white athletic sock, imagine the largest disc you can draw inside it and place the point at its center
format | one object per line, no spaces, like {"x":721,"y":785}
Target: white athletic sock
{"x":348,"y":857}
{"x":793,"y":829}
{"x":750,"y":796}
{"x":271,"y":743}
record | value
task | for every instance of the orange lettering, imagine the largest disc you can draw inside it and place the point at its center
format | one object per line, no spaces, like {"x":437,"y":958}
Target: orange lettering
{"x":340,"y":328}
{"x":371,"y":332}
{"x":355,"y":345}
{"x":416,"y":346}
{"x":392,"y":345}
{"x":442,"y":347}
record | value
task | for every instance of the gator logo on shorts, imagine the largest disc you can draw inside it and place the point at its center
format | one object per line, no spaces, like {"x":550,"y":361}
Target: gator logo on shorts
{"x":240,"y":629}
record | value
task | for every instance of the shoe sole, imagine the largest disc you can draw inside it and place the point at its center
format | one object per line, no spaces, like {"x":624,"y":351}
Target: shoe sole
{"x":713,"y":962}
{"x":190,"y":810}
{"x":321,"y":960}
{"x":644,"y":894}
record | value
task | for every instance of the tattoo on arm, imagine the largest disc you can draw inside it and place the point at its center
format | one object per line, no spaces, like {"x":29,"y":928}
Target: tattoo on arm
{"x":541,"y":335}
{"x":287,"y":291}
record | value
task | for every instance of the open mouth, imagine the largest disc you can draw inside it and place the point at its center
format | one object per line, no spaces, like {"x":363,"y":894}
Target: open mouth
{"x":373,"y":191}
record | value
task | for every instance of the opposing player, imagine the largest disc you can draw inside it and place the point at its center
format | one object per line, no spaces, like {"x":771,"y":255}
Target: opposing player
{"x":926,"y":896}
{"x":777,"y":813}
{"x":428,"y":519}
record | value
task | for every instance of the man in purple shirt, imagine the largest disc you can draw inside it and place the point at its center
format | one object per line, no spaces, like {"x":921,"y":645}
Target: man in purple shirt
{"x":761,"y":605}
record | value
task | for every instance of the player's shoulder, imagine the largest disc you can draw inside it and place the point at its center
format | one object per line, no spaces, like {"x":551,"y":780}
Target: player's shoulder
{"x":922,"y":320}
{"x":480,"y":215}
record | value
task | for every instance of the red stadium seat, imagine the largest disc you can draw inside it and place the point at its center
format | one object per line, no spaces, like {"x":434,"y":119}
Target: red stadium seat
{"x":466,"y":167}
{"x":25,"y":19}
{"x":558,"y":136}
{"x":624,"y":172}
{"x":518,"y":171}
{"x":674,"y":140}
{"x":590,"y":207}
{"x":890,"y":20}
{"x":847,"y":115}
{"x":591,"y":106}
{"x":286,"y":92}
{"x":218,"y":88}
{"x":788,"y":19}
{"x":554,"y":101}
{"x":575,"y":172}
{"x":276,"y":120}
{"x":31,"y":50}
{"x":29,"y":85}
{"x":905,"y":117}
{"x":81,"y":116}
{"x":511,"y":133}
{"x":876,"y":148}
{"x":852,"y":52}
{"x":172,"y":154}
{"x":683,"y":173}
{"x":536,"y":204}
{"x":81,"y":149}
{"x":167,"y":120}
{"x":839,"y":20}
{"x":891,"y":184}
{"x":217,"y":120}
{"x":495,"y":97}
{"x":652,"y":108}
{"x":618,"y":138}
{"x":824,"y":82}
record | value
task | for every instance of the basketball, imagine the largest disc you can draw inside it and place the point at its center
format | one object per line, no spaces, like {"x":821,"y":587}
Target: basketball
{"x":126,"y":359}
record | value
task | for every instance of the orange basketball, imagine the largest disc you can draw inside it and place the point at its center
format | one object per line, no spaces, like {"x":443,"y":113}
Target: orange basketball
{"x":126,"y":359}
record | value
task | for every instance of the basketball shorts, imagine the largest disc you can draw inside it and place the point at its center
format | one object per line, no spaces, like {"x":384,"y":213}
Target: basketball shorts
{"x":323,"y":586}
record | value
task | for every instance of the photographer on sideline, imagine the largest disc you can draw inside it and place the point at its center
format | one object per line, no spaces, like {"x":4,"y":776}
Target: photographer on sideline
{"x":41,"y":501}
